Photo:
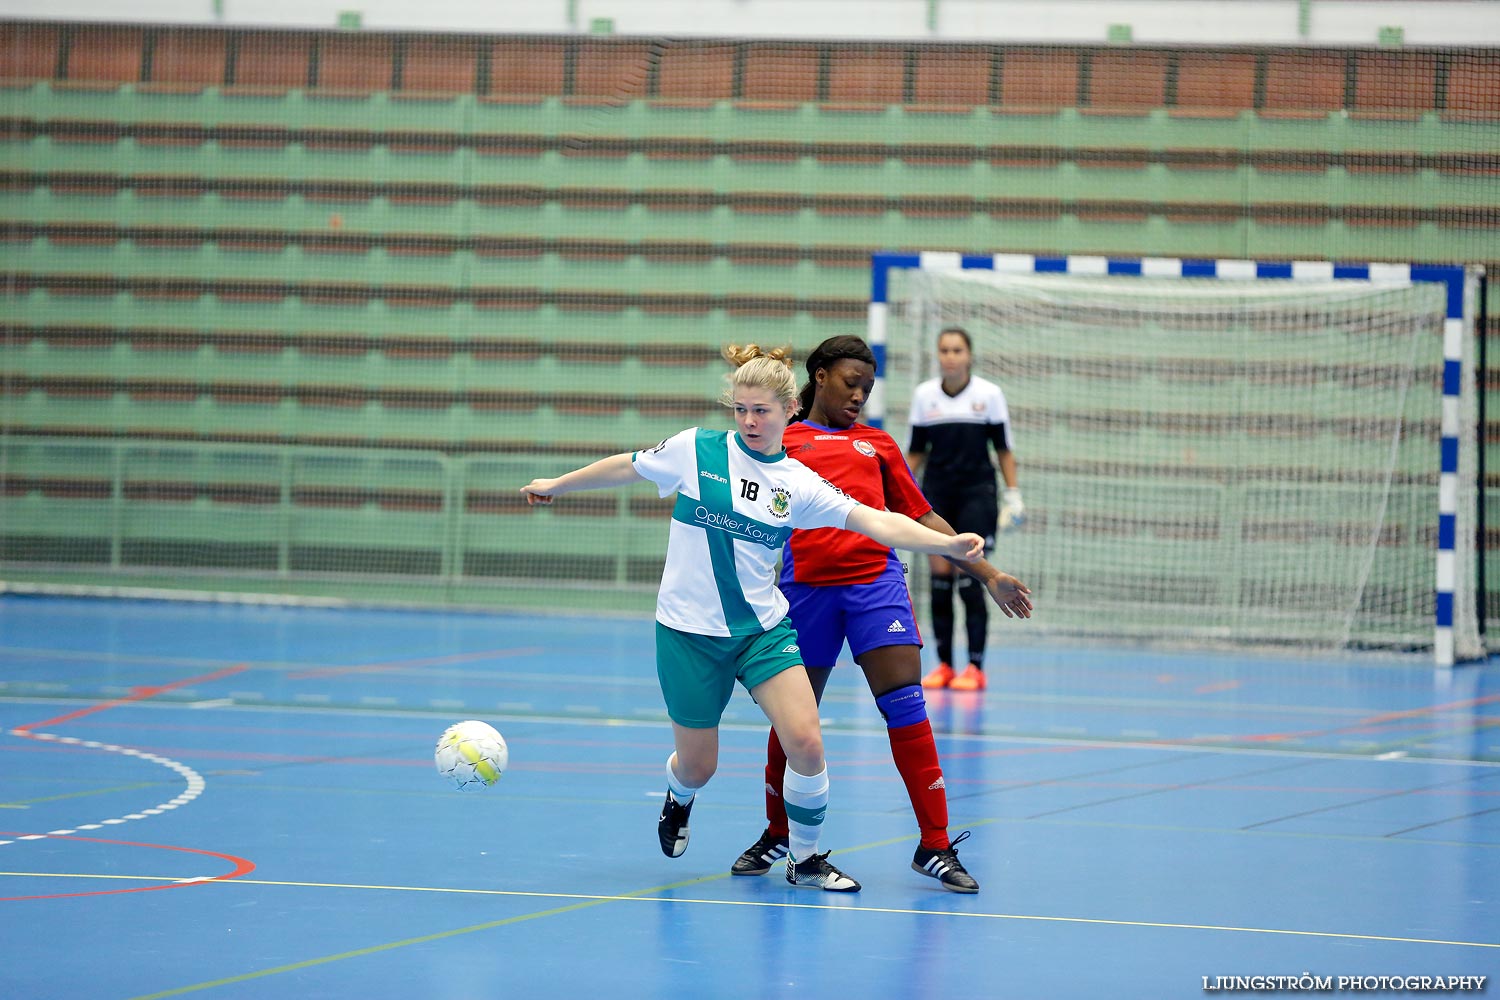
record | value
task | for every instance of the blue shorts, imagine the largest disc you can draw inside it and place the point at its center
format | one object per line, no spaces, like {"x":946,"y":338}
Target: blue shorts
{"x":868,"y":615}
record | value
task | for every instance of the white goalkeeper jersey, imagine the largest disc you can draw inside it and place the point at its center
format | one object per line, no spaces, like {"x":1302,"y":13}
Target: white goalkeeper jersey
{"x":957,"y":432}
{"x":735,"y":508}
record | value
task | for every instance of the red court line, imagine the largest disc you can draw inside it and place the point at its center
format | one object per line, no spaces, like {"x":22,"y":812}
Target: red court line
{"x":1017,"y":752}
{"x":136,"y":694}
{"x":241,"y":867}
{"x":431,"y":661}
{"x":1364,"y":725}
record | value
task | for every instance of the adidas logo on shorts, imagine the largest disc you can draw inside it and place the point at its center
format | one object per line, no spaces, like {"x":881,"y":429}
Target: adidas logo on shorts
{"x":896,"y":626}
{"x":937,"y":784}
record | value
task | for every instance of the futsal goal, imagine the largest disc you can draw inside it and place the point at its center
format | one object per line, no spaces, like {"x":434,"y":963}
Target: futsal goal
{"x":1218,"y":451}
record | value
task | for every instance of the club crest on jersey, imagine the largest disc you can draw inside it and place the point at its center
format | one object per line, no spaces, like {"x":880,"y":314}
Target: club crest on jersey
{"x":865,"y":448}
{"x":781,"y":503}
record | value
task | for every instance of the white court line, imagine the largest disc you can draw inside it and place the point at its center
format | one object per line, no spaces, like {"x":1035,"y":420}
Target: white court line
{"x":644,"y":897}
{"x":195,"y":782}
{"x":856,"y":730}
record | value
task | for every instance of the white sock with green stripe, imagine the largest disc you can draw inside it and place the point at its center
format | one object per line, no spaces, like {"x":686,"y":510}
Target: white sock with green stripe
{"x":806,"y":798}
{"x":682,"y":793}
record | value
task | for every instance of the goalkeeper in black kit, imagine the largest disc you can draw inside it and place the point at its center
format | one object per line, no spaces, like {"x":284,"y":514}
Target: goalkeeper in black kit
{"x":955,"y":420}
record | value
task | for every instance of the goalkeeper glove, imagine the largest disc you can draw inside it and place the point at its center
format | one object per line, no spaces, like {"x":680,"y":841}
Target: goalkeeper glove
{"x":1012,"y":510}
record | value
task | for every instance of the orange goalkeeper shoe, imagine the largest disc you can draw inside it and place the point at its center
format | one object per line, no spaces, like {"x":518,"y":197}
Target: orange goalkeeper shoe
{"x":972,"y":679}
{"x":939,"y":678}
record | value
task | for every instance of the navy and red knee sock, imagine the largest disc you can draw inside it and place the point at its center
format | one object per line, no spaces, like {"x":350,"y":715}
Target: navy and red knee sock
{"x":912,"y":748}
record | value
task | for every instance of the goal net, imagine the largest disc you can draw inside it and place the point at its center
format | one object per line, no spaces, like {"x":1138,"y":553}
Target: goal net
{"x":1215,"y":460}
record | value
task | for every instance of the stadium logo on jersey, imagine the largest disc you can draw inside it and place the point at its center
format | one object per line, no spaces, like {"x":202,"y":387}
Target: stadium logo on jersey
{"x":865,"y":448}
{"x":710,"y":475}
{"x":829,"y":437}
{"x":781,"y":504}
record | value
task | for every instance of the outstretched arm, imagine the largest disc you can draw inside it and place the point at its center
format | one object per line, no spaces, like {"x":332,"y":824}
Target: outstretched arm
{"x":1011,"y":595}
{"x":616,"y":470}
{"x":901,"y":532}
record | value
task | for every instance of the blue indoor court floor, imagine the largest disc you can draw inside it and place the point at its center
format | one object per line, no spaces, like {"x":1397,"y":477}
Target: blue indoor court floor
{"x":232,"y":801}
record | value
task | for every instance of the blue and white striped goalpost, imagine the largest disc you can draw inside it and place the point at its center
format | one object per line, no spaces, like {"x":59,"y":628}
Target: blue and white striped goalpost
{"x":1452,"y":277}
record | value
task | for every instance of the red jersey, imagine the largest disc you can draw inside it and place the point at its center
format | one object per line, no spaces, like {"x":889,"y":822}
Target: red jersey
{"x":866,"y":463}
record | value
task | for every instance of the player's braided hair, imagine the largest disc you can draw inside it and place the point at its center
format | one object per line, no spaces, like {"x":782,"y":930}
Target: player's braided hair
{"x":825,"y":354}
{"x":763,"y":368}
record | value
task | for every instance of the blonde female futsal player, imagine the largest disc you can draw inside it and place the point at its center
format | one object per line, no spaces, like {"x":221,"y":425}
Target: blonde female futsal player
{"x":842,"y":587}
{"x":719,"y":616}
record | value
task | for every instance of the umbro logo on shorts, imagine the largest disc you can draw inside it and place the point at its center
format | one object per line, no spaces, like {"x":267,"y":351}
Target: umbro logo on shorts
{"x":790,"y":649}
{"x":896,"y":626}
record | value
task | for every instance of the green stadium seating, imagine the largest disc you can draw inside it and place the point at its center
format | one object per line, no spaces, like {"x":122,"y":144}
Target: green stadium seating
{"x":212,"y":234}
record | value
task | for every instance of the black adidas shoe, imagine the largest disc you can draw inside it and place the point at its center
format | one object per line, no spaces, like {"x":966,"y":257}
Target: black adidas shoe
{"x":672,"y":826}
{"x":944,"y":866}
{"x":817,"y":873}
{"x":760,"y":856}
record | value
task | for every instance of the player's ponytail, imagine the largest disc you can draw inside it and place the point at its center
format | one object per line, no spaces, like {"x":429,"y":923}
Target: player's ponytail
{"x":761,"y":368}
{"x":825,"y":354}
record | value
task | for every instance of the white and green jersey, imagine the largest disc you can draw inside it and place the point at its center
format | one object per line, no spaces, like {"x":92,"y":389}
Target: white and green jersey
{"x":735,"y":508}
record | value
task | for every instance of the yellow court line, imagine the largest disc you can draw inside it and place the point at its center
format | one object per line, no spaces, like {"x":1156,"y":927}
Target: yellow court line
{"x":640,"y":897}
{"x":376,"y":949}
{"x":643,"y":895}
{"x":646,"y":896}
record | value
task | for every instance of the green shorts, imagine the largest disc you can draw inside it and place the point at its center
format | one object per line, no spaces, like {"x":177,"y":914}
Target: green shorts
{"x":697,"y":672}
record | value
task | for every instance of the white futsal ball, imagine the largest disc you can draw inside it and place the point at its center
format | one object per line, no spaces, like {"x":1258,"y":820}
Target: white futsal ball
{"x":471,"y":754}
